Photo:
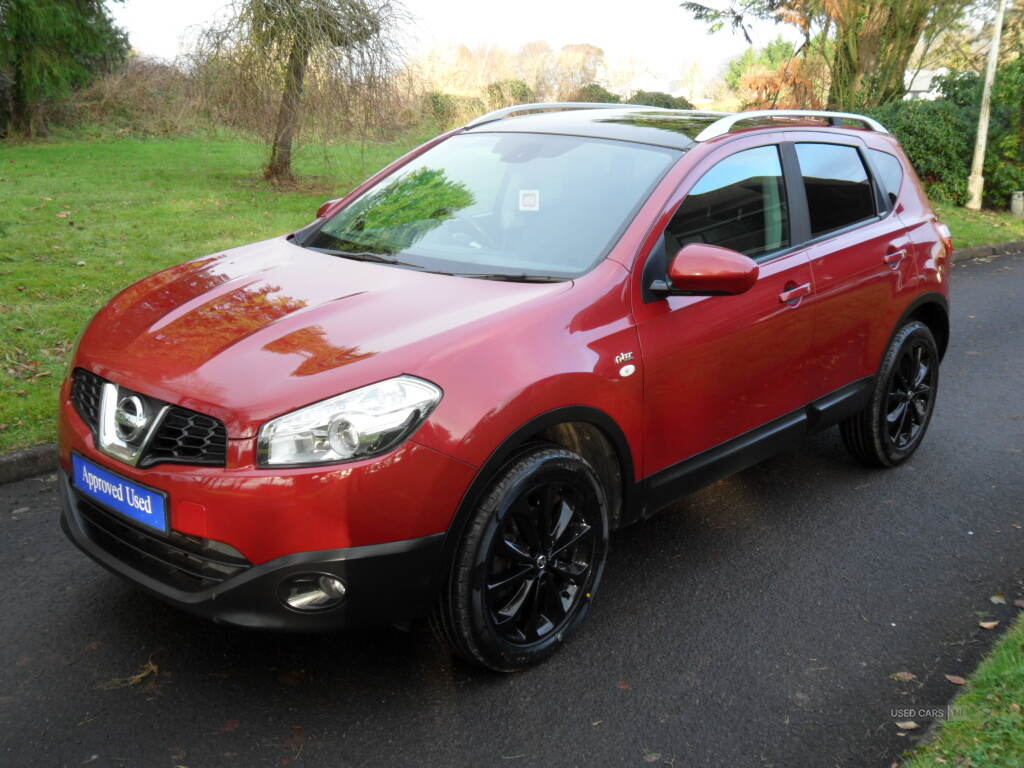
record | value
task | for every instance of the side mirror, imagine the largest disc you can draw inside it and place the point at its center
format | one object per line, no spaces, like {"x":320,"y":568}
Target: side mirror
{"x":322,"y":210}
{"x":707,"y":270}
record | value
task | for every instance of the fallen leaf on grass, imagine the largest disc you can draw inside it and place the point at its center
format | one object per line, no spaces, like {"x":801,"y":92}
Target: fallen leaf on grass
{"x":63,"y":214}
{"x":988,"y":624}
{"x":147,"y":669}
{"x":998,"y":599}
{"x":903,"y":677}
{"x":956,"y":680}
{"x":907,"y":725}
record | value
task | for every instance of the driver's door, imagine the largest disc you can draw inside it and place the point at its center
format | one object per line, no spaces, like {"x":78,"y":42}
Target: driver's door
{"x":718,"y":367}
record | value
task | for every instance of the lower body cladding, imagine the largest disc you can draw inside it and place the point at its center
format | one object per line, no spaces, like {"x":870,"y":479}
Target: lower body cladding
{"x":307,"y":591}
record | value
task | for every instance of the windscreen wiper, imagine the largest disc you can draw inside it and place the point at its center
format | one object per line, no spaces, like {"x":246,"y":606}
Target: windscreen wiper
{"x":366,"y":256}
{"x":512,"y":278}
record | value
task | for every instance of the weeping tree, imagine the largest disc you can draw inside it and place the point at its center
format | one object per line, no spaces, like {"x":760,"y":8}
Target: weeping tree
{"x":47,"y":49}
{"x":278,"y":66}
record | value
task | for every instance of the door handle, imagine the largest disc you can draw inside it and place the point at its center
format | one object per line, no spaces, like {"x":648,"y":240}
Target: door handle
{"x":894,"y":257}
{"x":794,"y":293}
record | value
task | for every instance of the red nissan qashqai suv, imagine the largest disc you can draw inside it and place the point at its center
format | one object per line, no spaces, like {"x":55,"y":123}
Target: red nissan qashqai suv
{"x":441,"y":396}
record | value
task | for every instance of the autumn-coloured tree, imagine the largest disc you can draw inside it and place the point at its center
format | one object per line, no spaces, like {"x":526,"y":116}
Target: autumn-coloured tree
{"x":793,"y":84}
{"x":867,"y":44}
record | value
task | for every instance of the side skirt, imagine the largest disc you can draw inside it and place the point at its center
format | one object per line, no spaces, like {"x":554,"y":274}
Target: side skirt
{"x":669,"y":484}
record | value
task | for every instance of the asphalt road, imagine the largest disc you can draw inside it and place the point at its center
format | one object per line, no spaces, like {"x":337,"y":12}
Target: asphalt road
{"x":755,"y":624}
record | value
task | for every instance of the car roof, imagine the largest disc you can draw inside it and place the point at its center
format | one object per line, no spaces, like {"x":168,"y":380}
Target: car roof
{"x":662,"y":127}
{"x":674,"y":128}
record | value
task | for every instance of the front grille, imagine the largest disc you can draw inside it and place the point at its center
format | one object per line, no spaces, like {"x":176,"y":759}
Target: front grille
{"x":86,"y":391}
{"x":188,"y":437}
{"x":182,"y":437}
{"x":188,"y":563}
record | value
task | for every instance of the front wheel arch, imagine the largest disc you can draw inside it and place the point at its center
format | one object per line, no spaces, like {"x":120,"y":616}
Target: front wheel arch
{"x":546,"y":428}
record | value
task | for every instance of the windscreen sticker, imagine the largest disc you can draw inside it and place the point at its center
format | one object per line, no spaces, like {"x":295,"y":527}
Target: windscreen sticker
{"x":529,"y":199}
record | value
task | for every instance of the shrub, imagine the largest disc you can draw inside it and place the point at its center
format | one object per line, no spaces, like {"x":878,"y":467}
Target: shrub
{"x":1004,"y":153}
{"x":449,"y":110}
{"x":595,"y":93}
{"x":937,"y":139}
{"x":505,"y":93}
{"x":660,"y":99}
{"x":938,"y":136}
{"x":145,"y":96}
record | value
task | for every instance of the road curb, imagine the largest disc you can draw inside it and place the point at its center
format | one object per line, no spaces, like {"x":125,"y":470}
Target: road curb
{"x":986,"y":251}
{"x":43,"y":458}
{"x":26,"y":463}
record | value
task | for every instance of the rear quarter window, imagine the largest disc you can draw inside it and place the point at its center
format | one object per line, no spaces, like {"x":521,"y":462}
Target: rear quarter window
{"x":890,"y":173}
{"x":839,"y":191}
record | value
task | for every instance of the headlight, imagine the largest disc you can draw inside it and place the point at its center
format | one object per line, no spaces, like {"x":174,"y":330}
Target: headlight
{"x":356,"y":425}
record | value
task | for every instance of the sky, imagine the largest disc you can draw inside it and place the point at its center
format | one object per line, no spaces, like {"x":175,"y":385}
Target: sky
{"x":655,"y":32}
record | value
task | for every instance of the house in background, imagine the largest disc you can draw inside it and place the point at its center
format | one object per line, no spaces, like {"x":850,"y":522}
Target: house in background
{"x":920,"y":84}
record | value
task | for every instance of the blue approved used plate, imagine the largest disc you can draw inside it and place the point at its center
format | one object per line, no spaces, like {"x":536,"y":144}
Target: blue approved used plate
{"x":142,"y":504}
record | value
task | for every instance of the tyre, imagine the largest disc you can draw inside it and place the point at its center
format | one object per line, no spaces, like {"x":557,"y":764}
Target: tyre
{"x":529,"y":563}
{"x":891,"y":427}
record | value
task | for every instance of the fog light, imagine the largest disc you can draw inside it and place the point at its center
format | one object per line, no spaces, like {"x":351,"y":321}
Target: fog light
{"x":312,"y":591}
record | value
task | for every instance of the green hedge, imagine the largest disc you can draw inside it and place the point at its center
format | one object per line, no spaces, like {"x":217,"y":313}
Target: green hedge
{"x":938,"y":135}
{"x":660,"y":99}
{"x":936,"y":140}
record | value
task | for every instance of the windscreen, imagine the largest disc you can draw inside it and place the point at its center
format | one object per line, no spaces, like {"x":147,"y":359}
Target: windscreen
{"x":500,"y":204}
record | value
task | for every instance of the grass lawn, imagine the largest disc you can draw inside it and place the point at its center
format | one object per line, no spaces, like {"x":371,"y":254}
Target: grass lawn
{"x":987,"y":729}
{"x":79,"y":220}
{"x":979,"y":227}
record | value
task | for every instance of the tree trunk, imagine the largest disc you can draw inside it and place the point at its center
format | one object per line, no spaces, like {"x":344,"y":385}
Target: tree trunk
{"x":280,"y":166}
{"x":843,"y":72}
{"x":873,"y":46}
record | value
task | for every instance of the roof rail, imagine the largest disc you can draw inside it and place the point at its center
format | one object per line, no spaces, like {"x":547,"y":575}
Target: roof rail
{"x":725,"y":124}
{"x":499,"y":114}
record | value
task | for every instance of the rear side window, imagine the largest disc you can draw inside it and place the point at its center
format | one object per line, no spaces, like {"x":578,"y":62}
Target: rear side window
{"x":839,"y":192}
{"x":739,"y":204}
{"x":890,"y":173}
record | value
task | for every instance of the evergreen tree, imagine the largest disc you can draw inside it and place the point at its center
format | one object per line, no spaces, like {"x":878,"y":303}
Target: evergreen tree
{"x":47,"y":49}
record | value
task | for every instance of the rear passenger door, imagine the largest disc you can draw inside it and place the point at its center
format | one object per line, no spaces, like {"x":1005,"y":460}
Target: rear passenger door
{"x":860,"y":257}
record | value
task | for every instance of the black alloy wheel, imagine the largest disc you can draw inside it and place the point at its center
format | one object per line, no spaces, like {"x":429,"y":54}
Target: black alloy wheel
{"x":911,"y":387}
{"x":541,"y":557}
{"x":529,"y":562}
{"x":891,"y":427}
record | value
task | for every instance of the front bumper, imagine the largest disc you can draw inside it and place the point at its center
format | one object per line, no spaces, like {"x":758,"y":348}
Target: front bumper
{"x":385,"y":582}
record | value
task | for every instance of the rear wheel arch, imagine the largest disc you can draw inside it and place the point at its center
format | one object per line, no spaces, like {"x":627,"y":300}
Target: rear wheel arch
{"x":932,"y":309}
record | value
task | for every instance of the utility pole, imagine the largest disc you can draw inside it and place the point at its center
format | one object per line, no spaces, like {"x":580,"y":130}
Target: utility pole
{"x":976,"y":182}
